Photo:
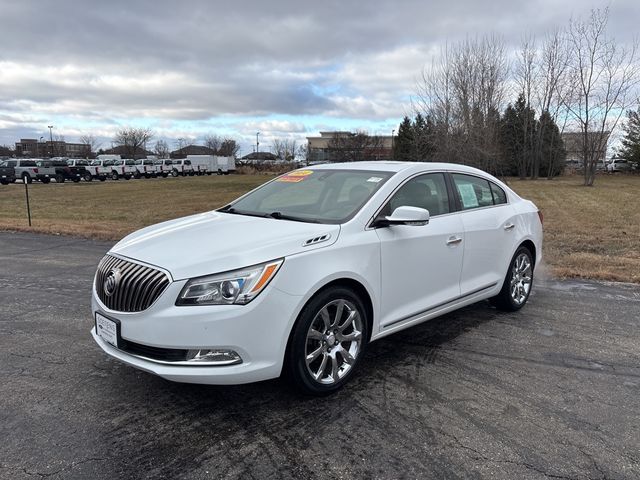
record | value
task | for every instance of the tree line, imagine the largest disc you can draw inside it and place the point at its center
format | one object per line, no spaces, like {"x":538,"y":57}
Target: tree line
{"x":576,"y":78}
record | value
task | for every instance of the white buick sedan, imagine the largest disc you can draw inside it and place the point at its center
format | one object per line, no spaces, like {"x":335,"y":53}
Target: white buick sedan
{"x":297,"y":276}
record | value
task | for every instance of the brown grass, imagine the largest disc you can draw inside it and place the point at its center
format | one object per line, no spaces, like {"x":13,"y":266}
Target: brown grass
{"x":590,"y":232}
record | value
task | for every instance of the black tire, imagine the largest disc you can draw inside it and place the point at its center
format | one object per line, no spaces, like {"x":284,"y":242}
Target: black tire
{"x":88,"y":177}
{"x":76,"y":179}
{"x":514,"y":297}
{"x":27,"y":177}
{"x":4,"y":182}
{"x":59,"y":178}
{"x":45,"y":180}
{"x":300,"y":343}
{"x":137,"y":175}
{"x":127,"y":176}
{"x":114,"y":176}
{"x":174,"y":173}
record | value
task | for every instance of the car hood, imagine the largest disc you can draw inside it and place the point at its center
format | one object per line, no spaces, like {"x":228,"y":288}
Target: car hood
{"x":215,"y":242}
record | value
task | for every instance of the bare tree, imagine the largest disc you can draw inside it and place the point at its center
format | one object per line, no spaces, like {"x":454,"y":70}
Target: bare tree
{"x":552,"y":86}
{"x":182,"y":143}
{"x":91,"y":141}
{"x":285,"y":149}
{"x":161,"y":149}
{"x":228,"y":148}
{"x":355,"y":147}
{"x":133,"y":140}
{"x":214,"y":142}
{"x":604,"y":75}
{"x":525,"y":76}
{"x":462,"y":94}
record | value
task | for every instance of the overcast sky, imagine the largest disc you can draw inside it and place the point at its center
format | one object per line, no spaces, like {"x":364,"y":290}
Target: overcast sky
{"x":284,"y":68}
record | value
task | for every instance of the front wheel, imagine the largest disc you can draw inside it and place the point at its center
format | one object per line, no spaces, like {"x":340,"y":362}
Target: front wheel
{"x":59,"y":178}
{"x":114,"y":176}
{"x":327,"y":341}
{"x":88,"y":177}
{"x":174,"y":173}
{"x":517,"y":284}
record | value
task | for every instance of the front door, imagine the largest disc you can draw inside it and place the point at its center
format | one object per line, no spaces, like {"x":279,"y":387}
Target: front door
{"x":420,"y":265}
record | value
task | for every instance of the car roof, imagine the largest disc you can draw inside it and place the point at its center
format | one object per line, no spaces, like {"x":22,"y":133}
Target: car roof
{"x":395,"y":167}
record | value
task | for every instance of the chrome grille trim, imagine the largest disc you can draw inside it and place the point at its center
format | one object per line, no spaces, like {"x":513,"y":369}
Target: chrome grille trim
{"x":139,"y":287}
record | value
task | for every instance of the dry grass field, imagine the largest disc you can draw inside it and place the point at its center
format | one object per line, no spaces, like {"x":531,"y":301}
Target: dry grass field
{"x":590,"y":232}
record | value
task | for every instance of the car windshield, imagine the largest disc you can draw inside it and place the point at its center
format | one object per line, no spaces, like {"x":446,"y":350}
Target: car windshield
{"x":319,"y":196}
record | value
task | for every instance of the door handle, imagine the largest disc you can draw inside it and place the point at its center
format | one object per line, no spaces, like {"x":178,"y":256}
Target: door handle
{"x":454,"y":240}
{"x":509,"y":226}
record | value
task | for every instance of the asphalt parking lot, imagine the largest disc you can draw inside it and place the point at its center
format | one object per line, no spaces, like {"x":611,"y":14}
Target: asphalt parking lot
{"x":550,"y":392}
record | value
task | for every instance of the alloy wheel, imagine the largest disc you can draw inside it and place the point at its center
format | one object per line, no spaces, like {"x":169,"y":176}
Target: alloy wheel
{"x":521,"y":276}
{"x":333,"y":341}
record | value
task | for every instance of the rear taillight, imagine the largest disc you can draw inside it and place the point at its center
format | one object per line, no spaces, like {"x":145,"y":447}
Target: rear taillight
{"x":541,"y":217}
{"x":35,"y":170}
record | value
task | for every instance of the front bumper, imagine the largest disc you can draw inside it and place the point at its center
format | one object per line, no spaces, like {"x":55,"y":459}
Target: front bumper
{"x":258,"y":332}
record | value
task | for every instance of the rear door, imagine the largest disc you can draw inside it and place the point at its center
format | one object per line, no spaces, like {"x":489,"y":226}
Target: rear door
{"x":490,"y":232}
{"x":420,"y":265}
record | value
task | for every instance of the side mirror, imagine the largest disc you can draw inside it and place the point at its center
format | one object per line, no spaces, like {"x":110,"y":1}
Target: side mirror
{"x":405,"y":216}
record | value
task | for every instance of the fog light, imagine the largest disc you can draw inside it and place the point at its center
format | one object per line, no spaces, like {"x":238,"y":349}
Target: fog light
{"x":214,"y":356}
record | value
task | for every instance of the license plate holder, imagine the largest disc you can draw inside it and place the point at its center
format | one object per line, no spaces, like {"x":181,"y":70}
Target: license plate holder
{"x":108,"y":329}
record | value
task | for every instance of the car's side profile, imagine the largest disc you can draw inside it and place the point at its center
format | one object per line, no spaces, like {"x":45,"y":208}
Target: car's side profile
{"x":297,"y":276}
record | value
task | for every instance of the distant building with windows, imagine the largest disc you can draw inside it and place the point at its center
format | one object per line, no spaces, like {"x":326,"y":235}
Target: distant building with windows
{"x":340,"y":146}
{"x":574,"y":141}
{"x":30,"y":147}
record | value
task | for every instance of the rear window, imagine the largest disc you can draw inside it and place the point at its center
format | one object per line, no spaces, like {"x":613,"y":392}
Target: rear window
{"x":28,"y":163}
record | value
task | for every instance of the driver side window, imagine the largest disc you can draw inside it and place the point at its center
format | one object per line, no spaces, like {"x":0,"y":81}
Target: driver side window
{"x":425,"y":191}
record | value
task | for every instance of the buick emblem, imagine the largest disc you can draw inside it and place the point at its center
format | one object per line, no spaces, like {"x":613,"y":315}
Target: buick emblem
{"x":111,"y":282}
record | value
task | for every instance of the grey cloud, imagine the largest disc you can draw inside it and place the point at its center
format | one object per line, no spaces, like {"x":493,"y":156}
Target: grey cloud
{"x":247,"y":58}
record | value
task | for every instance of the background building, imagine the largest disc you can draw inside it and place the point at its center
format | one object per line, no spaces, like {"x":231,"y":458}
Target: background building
{"x":30,"y":147}
{"x":574,"y":141}
{"x":349,"y":147}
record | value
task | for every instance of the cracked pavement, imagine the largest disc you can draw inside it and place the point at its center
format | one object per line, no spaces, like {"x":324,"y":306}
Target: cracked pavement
{"x":552,"y":391}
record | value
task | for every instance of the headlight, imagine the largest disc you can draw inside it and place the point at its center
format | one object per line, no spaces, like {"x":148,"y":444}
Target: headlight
{"x":239,"y":286}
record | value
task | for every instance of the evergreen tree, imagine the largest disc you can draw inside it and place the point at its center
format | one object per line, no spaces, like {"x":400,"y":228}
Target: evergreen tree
{"x":404,"y":141}
{"x":517,"y":133}
{"x":423,"y":136}
{"x":551,"y":152}
{"x":631,"y":142}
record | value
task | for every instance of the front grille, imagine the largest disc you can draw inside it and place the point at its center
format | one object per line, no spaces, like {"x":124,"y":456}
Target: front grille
{"x":135,"y":287}
{"x":154,"y":353}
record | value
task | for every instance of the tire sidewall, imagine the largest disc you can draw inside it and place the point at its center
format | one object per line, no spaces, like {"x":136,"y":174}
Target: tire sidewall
{"x":506,"y":289}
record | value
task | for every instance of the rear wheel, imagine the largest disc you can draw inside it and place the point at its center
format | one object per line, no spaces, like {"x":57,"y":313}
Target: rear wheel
{"x":45,"y":180}
{"x":59,"y":178}
{"x":517,"y":284}
{"x":327,"y":341}
{"x":114,"y":176}
{"x":102,"y":178}
{"x":87,"y":177}
{"x":174,"y":173}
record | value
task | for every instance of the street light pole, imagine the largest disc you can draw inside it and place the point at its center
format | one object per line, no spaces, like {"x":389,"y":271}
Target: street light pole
{"x":393,"y":155}
{"x":50,"y":127}
{"x":257,"y":142}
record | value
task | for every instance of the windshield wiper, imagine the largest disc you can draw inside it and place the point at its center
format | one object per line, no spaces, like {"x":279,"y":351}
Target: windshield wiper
{"x":230,"y":209}
{"x":282,"y":216}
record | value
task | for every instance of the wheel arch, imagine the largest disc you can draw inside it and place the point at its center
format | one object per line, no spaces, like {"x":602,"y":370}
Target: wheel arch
{"x":347,"y":282}
{"x":531,"y":247}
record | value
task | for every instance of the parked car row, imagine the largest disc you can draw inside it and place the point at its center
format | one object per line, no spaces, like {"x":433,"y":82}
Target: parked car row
{"x":62,"y":169}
